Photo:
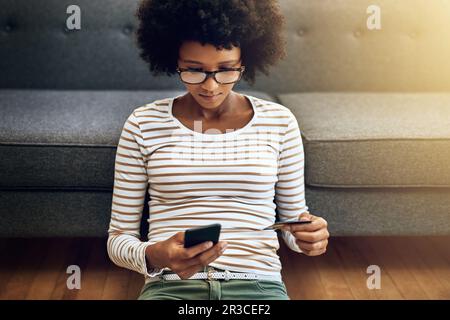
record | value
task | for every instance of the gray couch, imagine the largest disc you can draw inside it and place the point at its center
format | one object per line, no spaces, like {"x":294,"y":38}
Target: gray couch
{"x":373,"y":108}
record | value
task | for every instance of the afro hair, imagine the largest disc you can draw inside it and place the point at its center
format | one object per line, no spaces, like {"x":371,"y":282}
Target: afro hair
{"x":255,"y":26}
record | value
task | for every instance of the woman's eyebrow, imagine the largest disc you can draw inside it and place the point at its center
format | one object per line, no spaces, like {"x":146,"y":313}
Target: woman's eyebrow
{"x":198,"y":62}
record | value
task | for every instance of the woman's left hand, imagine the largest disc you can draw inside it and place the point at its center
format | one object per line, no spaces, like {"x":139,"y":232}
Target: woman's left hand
{"x":312,"y":238}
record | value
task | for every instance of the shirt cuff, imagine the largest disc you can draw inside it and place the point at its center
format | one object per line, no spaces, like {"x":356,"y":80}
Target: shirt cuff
{"x":289,"y":239}
{"x":149,"y":272}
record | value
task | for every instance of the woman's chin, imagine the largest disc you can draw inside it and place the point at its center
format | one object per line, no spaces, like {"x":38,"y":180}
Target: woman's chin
{"x":210,"y":103}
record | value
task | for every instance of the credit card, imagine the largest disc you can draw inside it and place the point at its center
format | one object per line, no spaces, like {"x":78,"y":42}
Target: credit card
{"x":279,"y":225}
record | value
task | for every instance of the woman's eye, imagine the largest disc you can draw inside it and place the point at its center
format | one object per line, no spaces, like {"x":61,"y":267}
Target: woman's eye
{"x":201,"y":70}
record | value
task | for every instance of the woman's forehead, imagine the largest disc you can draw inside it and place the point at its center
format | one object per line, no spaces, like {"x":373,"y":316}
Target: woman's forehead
{"x":196,"y":53}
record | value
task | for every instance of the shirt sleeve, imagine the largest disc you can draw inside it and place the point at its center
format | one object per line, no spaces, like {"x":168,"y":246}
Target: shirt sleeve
{"x":290,"y":187}
{"x":124,"y":246}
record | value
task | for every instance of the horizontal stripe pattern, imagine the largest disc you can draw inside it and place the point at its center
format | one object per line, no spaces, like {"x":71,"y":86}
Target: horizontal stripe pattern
{"x":241,"y":180}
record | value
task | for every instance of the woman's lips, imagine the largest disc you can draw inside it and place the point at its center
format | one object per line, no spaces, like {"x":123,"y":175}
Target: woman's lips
{"x":209,"y":98}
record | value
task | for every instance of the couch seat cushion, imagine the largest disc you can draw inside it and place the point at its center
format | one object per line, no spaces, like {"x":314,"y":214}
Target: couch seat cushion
{"x":65,"y":139}
{"x":374,"y":139}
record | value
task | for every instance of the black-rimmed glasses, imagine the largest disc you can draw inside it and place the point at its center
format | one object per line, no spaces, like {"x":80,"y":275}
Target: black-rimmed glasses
{"x":225,"y":76}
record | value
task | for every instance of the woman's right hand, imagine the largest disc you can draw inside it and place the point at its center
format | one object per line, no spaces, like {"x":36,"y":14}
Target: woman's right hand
{"x":185,"y":262}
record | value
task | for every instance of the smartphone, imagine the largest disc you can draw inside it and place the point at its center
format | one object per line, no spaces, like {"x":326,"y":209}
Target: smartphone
{"x":198,"y":235}
{"x":279,"y":225}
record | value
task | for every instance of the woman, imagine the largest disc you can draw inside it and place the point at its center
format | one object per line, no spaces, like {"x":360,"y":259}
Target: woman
{"x":209,"y":156}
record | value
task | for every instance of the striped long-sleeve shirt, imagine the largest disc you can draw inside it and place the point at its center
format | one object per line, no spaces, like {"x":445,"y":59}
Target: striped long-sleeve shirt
{"x":240,"y":179}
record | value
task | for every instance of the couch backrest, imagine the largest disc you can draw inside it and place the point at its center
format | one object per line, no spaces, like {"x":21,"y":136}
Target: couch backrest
{"x":330,"y":47}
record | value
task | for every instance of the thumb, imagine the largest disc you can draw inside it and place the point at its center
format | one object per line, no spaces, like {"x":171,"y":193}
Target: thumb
{"x":304,"y":216}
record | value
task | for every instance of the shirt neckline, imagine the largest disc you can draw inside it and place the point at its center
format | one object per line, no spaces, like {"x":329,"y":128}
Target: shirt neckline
{"x":209,"y":135}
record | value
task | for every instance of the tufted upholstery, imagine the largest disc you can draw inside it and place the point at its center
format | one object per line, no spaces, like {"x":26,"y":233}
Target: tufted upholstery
{"x":409,"y":53}
{"x":373,"y":107}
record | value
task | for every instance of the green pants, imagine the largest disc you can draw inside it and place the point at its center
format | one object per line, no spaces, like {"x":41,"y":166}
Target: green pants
{"x":220,"y":289}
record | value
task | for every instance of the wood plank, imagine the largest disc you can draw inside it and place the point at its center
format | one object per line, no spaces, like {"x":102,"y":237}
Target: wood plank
{"x":427,"y":280}
{"x":50,"y":270}
{"x":66,"y":257}
{"x":411,"y":268}
{"x":442,"y":245}
{"x":365,"y":246}
{"x":135,"y":285}
{"x":399,"y":273}
{"x":355,"y":266}
{"x":116,"y":283}
{"x":77,"y":254}
{"x":31,"y":256}
{"x":332,"y":272}
{"x":12,"y":250}
{"x":300,"y":275}
{"x":435,"y":261}
{"x":94,"y":271}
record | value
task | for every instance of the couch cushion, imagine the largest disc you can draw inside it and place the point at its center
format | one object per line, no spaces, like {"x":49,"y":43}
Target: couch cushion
{"x":65,"y":139}
{"x":373,"y":139}
{"x":329,"y":47}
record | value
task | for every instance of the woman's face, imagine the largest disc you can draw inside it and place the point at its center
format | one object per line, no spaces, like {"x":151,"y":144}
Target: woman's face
{"x":207,"y":58}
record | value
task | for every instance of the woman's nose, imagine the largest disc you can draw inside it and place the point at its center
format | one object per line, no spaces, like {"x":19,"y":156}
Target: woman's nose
{"x":210,"y":84}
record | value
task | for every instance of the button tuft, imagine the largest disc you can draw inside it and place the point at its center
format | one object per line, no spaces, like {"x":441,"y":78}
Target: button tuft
{"x":127,"y":30}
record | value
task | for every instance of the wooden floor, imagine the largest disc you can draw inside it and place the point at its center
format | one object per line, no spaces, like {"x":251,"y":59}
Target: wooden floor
{"x":411,"y":268}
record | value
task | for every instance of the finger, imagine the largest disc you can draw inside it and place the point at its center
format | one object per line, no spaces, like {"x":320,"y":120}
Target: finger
{"x":312,"y":246}
{"x":305,"y":216}
{"x":315,"y":225}
{"x":314,"y":252}
{"x":188,"y":253}
{"x":209,"y":256}
{"x":314,"y":236}
{"x":197,"y":264}
{"x":206,"y":257}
